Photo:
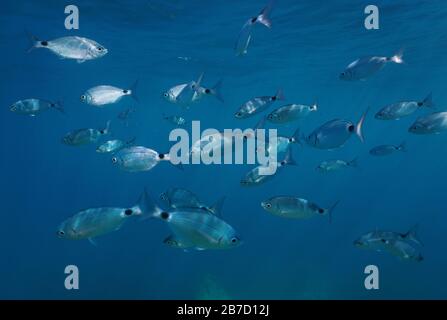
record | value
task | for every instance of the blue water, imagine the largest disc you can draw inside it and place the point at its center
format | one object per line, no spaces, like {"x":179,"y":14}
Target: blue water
{"x":43,"y":182}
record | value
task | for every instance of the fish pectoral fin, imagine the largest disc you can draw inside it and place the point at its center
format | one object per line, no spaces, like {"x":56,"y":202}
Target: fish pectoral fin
{"x":93,"y":242}
{"x":80,"y":60}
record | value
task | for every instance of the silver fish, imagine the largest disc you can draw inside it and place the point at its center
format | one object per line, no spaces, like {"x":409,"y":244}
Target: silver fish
{"x":363,"y":68}
{"x":434,"y":123}
{"x":178,"y":198}
{"x":257,"y":105}
{"x":138,"y":159}
{"x":282,"y":144}
{"x":111,"y":146}
{"x":103,"y":95}
{"x":173,"y":242}
{"x":77,"y":48}
{"x":404,"y":251}
{"x":335,"y":165}
{"x":33,"y":107}
{"x":296,"y":208}
{"x":385,"y":150}
{"x":390,"y":241}
{"x":184,"y":94}
{"x":244,"y":37}
{"x":175,"y":120}
{"x":197,"y":229}
{"x":334,"y":134}
{"x":255,"y":178}
{"x":290,"y":113}
{"x":91,"y":223}
{"x":85,"y":136}
{"x":402,"y":109}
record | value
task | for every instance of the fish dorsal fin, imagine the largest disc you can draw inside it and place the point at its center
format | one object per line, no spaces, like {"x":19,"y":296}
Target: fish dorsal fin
{"x":216,"y":208}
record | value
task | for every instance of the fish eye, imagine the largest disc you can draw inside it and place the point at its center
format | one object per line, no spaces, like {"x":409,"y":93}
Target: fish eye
{"x":61,"y":233}
{"x":114,"y":160}
{"x":100,"y":48}
{"x":83,"y":97}
{"x":321,"y":211}
{"x":268,"y":205}
{"x":234,"y":240}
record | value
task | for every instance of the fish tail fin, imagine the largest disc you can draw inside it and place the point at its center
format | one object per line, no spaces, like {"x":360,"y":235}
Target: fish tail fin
{"x":133,"y":91}
{"x":35,"y":42}
{"x":93,"y":242}
{"x":106,"y":130}
{"x":402,"y":147}
{"x":131,"y":141}
{"x":428,"y":102}
{"x":148,"y":208}
{"x":296,"y":136}
{"x":280,"y":95}
{"x":260,"y":124}
{"x":398,"y":57}
{"x":216,"y":91}
{"x":198,"y":82}
{"x":331,"y":210}
{"x":359,"y":126}
{"x":353,"y":163}
{"x":263,"y":17}
{"x":288,"y":160}
{"x":412,"y":235}
{"x":59,"y":106}
{"x":166,"y":157}
{"x":216,"y":208}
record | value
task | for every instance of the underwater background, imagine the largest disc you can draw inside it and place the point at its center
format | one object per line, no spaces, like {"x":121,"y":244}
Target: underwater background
{"x":43,"y":182}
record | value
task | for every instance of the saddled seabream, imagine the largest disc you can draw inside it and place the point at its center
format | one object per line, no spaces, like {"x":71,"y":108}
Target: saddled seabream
{"x":434,"y":123}
{"x":296,"y":208}
{"x":85,"y":136}
{"x":363,"y":68}
{"x":178,"y":198}
{"x":245,"y":34}
{"x":138,"y":159}
{"x":290,"y":113}
{"x":257,"y":105}
{"x":334,"y":134}
{"x":33,"y":107}
{"x":387,"y":149}
{"x":111,"y":146}
{"x":197,"y":229}
{"x":335,"y":165}
{"x":257,"y":177}
{"x":94,"y":222}
{"x":71,"y":47}
{"x":402,"y":109}
{"x":102,"y":95}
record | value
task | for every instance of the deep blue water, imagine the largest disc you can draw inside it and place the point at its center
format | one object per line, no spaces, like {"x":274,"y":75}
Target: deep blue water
{"x":43,"y":182}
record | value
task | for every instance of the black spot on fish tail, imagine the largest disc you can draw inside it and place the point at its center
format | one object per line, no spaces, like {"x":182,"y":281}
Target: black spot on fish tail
{"x":164,"y":215}
{"x":161,"y":156}
{"x":351,"y":128}
{"x":321,"y":210}
{"x":207,"y":91}
{"x":128,"y":212}
{"x":44,"y":43}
